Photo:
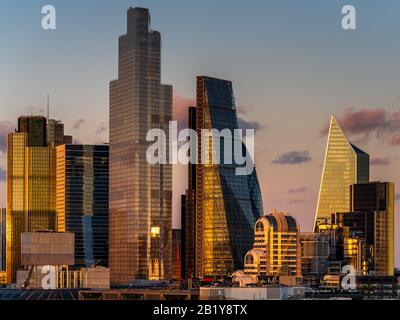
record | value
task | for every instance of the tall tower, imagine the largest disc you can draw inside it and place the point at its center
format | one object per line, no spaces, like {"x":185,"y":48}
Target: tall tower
{"x":30,"y":187}
{"x":82,"y":200}
{"x":222,"y":207}
{"x":140,"y":230}
{"x":344,"y":165}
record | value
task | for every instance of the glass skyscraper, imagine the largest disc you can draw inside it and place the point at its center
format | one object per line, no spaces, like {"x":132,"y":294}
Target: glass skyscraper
{"x":344,"y":165}
{"x":30,"y":187}
{"x":140,"y":231}
{"x":82,"y":200}
{"x":2,"y":239}
{"x":222,"y":207}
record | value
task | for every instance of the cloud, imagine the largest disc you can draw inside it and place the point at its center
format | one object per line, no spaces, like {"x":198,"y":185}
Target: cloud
{"x":395,"y":140}
{"x":380,"y":162}
{"x":5,"y":128}
{"x":102,"y":128}
{"x":255,"y":125}
{"x":364,"y":123}
{"x":77,"y":124}
{"x":293,"y":157}
{"x":2,"y":174}
{"x":244,"y":110}
{"x":297,"y":190}
{"x":180,"y":110}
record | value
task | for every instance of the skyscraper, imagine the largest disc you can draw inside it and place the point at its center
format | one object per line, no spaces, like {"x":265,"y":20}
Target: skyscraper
{"x":36,"y":128}
{"x":140,"y":193}
{"x":2,"y":239}
{"x":344,"y":165}
{"x":222,"y":207}
{"x":82,"y":200}
{"x":55,"y":134}
{"x":30,"y":186}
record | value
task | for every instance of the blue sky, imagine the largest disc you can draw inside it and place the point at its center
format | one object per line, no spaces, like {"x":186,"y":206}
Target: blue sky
{"x":291,"y":65}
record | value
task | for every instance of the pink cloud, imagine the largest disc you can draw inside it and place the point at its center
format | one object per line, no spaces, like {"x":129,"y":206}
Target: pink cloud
{"x":180,"y":109}
{"x":361,"y":124}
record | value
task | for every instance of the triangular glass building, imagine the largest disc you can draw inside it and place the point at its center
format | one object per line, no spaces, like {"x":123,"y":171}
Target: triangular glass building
{"x":345,"y":165}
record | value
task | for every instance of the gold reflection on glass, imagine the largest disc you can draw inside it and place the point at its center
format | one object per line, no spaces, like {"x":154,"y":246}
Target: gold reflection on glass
{"x":344,"y":165}
{"x":30,"y":194}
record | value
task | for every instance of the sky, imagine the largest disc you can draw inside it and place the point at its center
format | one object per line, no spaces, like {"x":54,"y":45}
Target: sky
{"x":291,"y":64}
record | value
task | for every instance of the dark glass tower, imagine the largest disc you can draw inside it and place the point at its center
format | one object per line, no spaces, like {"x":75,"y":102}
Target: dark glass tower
{"x":82,"y":200}
{"x":222,"y":207}
{"x":377,"y":200}
{"x":140,"y":193}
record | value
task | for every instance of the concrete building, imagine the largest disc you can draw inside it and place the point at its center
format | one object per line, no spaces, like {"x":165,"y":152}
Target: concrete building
{"x":276,"y":250}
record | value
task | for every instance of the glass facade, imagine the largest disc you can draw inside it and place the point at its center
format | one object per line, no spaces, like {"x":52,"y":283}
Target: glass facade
{"x":82,"y":200}
{"x":2,"y":239}
{"x":140,"y":194}
{"x":30,"y":188}
{"x":377,"y":199}
{"x":344,"y":165}
{"x":227,"y":205}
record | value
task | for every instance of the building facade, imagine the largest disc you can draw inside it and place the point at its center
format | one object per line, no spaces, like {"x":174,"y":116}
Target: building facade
{"x":2,"y":239}
{"x":82,"y":200}
{"x":55,"y":134}
{"x":30,"y":187}
{"x":369,"y":227}
{"x":276,"y":250}
{"x":176,"y":254}
{"x":140,"y":193}
{"x":222,"y":207}
{"x":315,"y":253}
{"x":344,"y":165}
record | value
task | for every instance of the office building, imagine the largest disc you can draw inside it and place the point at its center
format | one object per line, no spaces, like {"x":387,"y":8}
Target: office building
{"x":55,"y":134}
{"x":82,"y":200}
{"x":176,"y":254}
{"x":276,"y":250}
{"x":36,"y":129}
{"x":30,"y":187}
{"x":315,"y":253}
{"x":369,"y":227}
{"x":344,"y":165}
{"x":140,"y":238}
{"x":188,"y":214}
{"x":2,"y":239}
{"x":222,"y":206}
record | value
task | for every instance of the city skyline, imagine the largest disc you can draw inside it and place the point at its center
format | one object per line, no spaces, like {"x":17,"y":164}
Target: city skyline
{"x":293,"y":149}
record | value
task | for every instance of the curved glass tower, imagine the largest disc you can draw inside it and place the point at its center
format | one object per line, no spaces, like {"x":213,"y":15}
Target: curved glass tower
{"x":223,"y":206}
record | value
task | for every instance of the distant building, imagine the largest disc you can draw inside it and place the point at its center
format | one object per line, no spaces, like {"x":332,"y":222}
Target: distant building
{"x":276,"y":250}
{"x":82,"y":190}
{"x":55,"y":134}
{"x":315,"y":253}
{"x":2,"y":239}
{"x":344,"y":165}
{"x":222,"y":207}
{"x":176,"y":254}
{"x":36,"y":129}
{"x":367,"y":232}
